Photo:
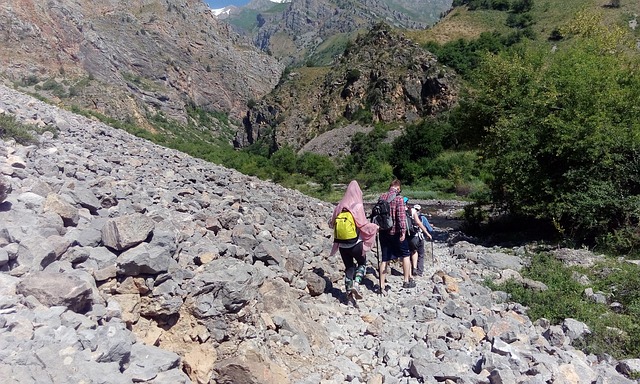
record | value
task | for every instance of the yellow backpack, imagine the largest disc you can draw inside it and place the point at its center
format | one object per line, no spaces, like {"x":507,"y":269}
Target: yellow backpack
{"x":345,"y":229}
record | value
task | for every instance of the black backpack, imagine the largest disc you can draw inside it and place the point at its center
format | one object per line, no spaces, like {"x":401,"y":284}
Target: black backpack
{"x":412,"y":226}
{"x":381,"y":213}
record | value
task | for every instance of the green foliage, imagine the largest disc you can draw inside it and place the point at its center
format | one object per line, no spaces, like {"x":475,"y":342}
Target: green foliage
{"x":420,"y":141}
{"x":28,"y":81}
{"x":10,"y":128}
{"x":353,"y":75}
{"x":562,"y":300}
{"x":318,"y":167}
{"x":375,"y":174}
{"x":368,"y":145}
{"x":54,"y":87}
{"x":285,"y":159}
{"x":563,"y":136}
{"x":465,"y":55}
{"x":613,"y":333}
{"x":519,"y":20}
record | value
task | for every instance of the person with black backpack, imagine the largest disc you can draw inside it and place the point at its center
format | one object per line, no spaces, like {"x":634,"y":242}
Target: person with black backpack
{"x":393,"y":241}
{"x":353,"y":236}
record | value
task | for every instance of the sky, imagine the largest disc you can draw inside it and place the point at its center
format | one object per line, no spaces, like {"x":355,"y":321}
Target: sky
{"x":216,"y":4}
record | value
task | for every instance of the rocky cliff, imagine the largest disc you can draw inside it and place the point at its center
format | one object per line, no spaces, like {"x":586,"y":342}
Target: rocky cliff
{"x":129,"y":59}
{"x":122,"y":261}
{"x":310,"y":28}
{"x":382,"y":77}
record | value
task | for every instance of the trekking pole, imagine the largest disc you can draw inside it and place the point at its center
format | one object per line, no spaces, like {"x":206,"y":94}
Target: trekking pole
{"x":379,"y":265}
{"x":433,"y":256}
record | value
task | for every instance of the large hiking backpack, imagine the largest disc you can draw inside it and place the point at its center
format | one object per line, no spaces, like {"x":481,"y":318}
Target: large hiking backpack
{"x":345,"y":229}
{"x":381,"y":213}
{"x":412,"y":226}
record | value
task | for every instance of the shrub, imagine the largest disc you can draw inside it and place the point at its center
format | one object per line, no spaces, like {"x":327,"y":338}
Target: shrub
{"x":563,"y":136}
{"x":10,"y":128}
{"x":616,"y":334}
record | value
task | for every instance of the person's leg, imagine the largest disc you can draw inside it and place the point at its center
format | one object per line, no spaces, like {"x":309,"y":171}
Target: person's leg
{"x":414,"y":262}
{"x":386,"y":250}
{"x":406,"y":263}
{"x":413,"y":248}
{"x":383,"y":275}
{"x":349,"y":268}
{"x":361,"y":262}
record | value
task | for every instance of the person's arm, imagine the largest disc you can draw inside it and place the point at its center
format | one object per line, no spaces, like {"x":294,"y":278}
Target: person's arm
{"x":426,"y":223}
{"x":416,"y":219}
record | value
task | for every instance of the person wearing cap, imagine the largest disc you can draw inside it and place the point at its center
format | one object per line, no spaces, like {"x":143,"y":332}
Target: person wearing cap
{"x":417,"y":243}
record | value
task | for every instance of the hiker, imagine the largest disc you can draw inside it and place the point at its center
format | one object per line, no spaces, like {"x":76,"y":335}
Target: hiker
{"x":393,"y":242}
{"x":416,"y":244}
{"x":356,"y":247}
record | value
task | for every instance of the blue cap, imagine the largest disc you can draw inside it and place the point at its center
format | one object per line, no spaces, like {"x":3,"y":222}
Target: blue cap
{"x":406,"y":199}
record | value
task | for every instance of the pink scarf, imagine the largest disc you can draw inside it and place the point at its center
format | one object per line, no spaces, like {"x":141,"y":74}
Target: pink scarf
{"x":352,"y":201}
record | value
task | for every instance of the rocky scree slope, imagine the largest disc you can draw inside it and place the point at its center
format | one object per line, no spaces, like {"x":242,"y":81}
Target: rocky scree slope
{"x":127,"y":59}
{"x":383,"y":76}
{"x":122,"y":261}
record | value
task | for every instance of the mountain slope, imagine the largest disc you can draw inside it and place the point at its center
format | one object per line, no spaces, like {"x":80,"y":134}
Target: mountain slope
{"x":382,"y":77}
{"x":297,"y":31}
{"x":127,"y":59}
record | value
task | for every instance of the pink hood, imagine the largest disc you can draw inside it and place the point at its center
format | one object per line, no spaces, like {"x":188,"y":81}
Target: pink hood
{"x":352,"y":201}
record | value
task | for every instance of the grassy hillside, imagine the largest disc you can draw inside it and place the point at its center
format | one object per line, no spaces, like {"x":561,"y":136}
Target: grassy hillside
{"x":547,"y":15}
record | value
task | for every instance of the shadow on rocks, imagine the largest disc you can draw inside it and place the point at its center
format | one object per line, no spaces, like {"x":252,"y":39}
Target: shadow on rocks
{"x":5,"y":207}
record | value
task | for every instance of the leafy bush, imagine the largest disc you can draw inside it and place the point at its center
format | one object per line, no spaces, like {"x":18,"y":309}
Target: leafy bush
{"x":465,"y":55}
{"x":563,"y":136}
{"x":10,"y":128}
{"x":616,"y":334}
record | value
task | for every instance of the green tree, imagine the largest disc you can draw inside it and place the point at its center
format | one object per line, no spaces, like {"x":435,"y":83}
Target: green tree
{"x":418,"y":141}
{"x":564,"y":142}
{"x":285,"y":159}
{"x":318,"y":167}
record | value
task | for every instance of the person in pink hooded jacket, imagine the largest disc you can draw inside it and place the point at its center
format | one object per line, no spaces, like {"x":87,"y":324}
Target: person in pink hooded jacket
{"x":354,"y":271}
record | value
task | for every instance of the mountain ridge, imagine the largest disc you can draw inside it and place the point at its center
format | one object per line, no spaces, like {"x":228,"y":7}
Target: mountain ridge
{"x":127,"y":59}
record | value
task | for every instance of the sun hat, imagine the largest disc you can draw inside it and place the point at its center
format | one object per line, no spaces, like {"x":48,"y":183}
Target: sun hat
{"x":417,"y":207}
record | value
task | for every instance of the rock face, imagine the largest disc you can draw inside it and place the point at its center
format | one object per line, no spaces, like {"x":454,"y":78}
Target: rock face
{"x":303,"y":29}
{"x":384,"y":77}
{"x":128,"y":59}
{"x":174,"y":270}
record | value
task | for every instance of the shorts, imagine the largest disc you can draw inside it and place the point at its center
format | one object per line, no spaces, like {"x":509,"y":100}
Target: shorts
{"x":392,"y":248}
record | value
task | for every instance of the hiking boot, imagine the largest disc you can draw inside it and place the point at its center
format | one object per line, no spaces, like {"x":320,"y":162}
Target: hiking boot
{"x":348,"y":284}
{"x":355,"y":292}
{"x":409,"y":284}
{"x":384,"y":291}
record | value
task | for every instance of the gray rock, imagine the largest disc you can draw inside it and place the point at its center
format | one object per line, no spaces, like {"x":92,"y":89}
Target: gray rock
{"x":115,"y":344}
{"x":315,"y":283}
{"x":127,"y":231}
{"x":226,"y":287}
{"x":5,"y":188}
{"x":147,"y":362}
{"x":82,"y":196}
{"x":36,"y":253}
{"x":52,"y":289}
{"x":269,"y":253}
{"x":145,"y":259}
{"x":629,"y":367}
{"x":575,"y":330}
{"x":57,"y":204}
